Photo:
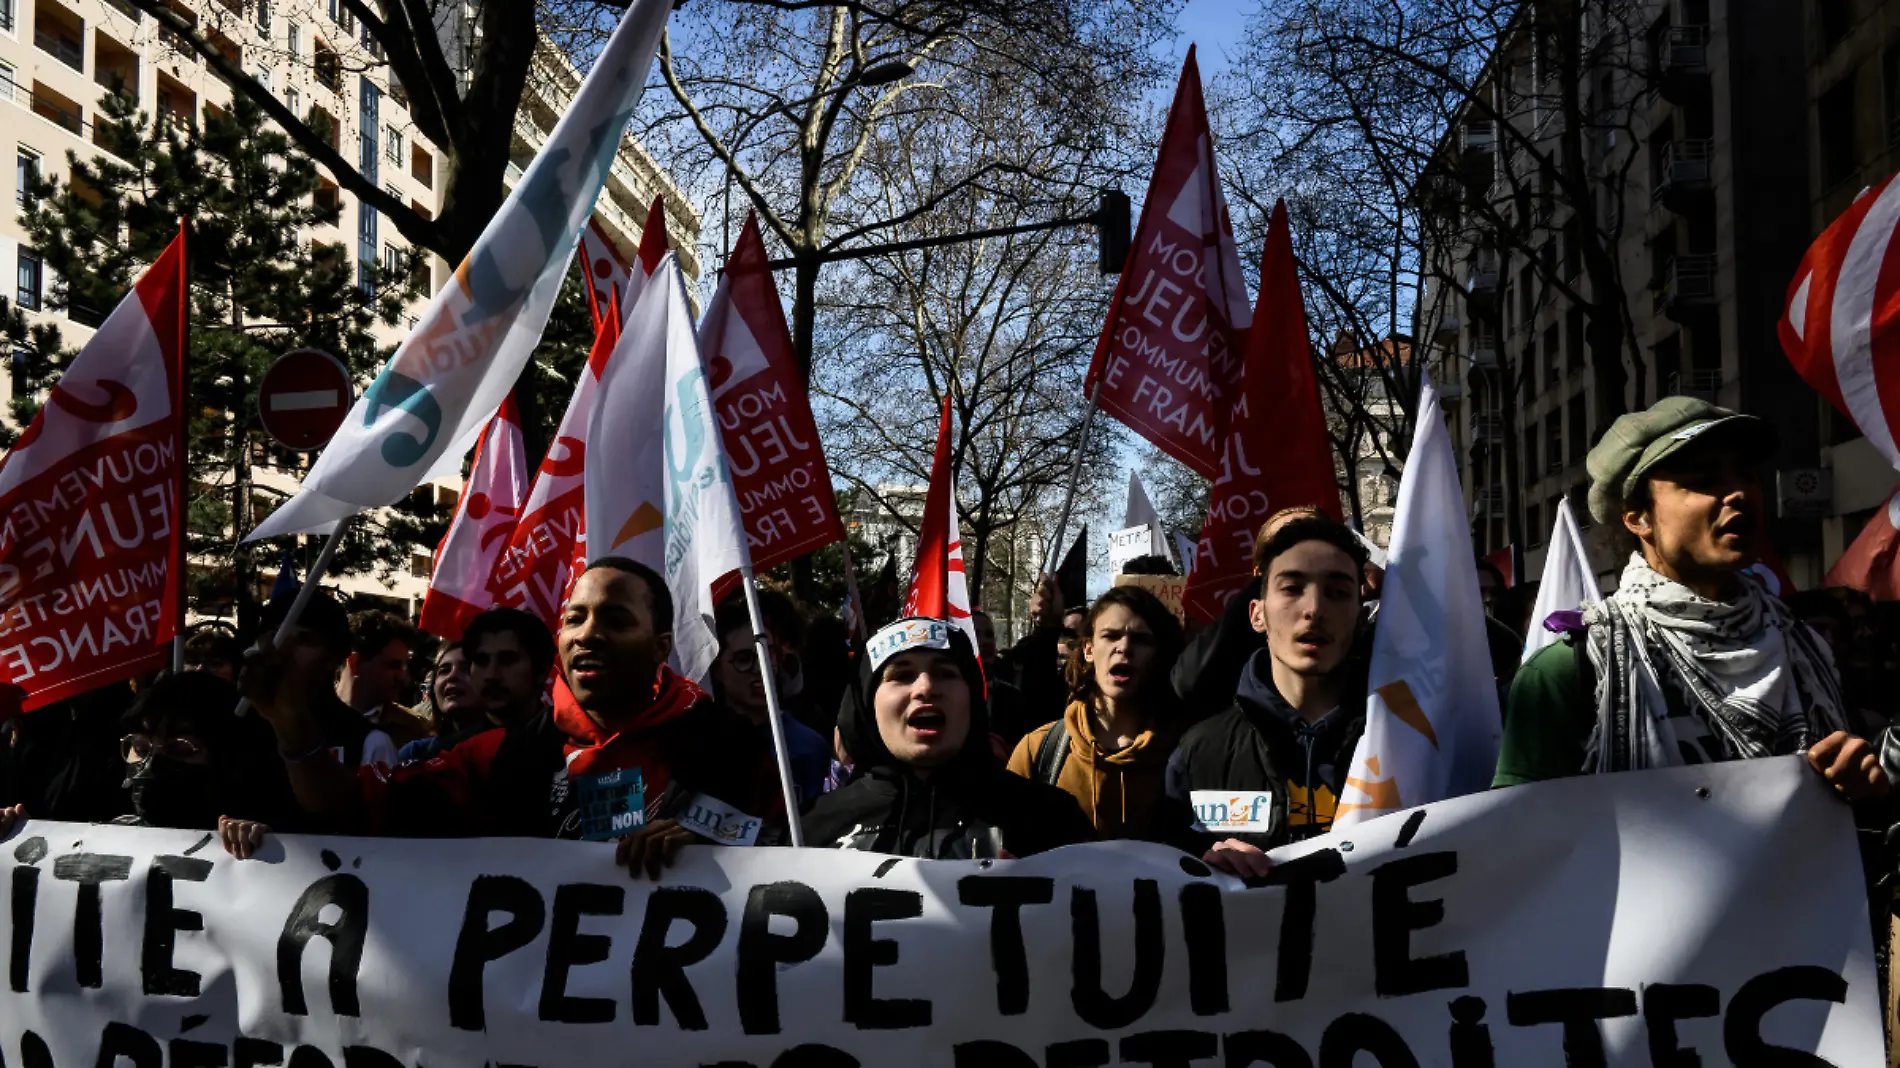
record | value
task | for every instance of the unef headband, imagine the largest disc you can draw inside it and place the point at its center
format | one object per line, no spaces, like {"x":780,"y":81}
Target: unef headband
{"x":904,"y":635}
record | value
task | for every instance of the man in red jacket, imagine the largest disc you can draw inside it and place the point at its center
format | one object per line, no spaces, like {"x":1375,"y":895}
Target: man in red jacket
{"x":627,"y":746}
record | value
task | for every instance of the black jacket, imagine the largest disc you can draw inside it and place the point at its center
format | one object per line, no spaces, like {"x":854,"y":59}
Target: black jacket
{"x":1210,"y":667}
{"x":1260,"y":745}
{"x":968,"y":809}
{"x":62,"y":760}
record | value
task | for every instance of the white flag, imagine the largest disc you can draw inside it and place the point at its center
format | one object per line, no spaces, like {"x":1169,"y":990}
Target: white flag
{"x":431,"y":401}
{"x":1432,"y":722}
{"x":1184,"y":546}
{"x":1567,"y":583}
{"x":1140,"y":512}
{"x":699,"y":538}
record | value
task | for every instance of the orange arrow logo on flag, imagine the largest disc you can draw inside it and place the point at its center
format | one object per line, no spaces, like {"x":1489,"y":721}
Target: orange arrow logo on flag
{"x":1398,"y":697}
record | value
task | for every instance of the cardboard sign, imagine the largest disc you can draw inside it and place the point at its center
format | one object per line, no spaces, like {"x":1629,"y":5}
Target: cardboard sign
{"x":1168,"y":588}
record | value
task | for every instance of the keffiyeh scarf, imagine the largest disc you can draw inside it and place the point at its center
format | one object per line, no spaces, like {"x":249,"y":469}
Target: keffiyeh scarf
{"x":1761,"y":680}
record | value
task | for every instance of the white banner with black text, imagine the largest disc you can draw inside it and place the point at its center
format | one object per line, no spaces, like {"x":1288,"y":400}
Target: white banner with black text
{"x":1711,"y":916}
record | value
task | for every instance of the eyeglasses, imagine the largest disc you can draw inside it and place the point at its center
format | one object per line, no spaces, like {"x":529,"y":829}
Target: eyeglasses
{"x":139,"y":748}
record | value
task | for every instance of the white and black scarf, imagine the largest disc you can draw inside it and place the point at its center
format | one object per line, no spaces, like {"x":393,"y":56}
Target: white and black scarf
{"x":1761,"y":680}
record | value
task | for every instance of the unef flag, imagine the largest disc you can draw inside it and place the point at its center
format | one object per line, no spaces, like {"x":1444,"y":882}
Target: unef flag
{"x":610,"y":278}
{"x":548,"y":545}
{"x":1274,"y":453}
{"x":431,"y":401}
{"x":1432,"y":722}
{"x":764,"y":411}
{"x":700,"y":540}
{"x":1169,"y":356}
{"x":484,"y":520}
{"x":937,"y":586}
{"x":91,"y":545}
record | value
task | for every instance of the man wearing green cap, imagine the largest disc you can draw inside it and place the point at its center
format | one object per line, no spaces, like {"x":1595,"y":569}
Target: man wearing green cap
{"x":1689,"y":661}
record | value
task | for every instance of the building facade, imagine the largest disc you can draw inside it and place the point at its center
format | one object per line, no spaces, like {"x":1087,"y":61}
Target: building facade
{"x":1687,"y":115}
{"x":59,"y":58}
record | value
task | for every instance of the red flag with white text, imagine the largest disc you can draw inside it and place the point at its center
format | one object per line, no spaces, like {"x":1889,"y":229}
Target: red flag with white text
{"x":937,"y":586}
{"x":1275,"y":453}
{"x":90,"y":539}
{"x":1170,"y":353}
{"x":609,"y":277}
{"x":549,"y":543}
{"x":777,"y":463}
{"x":478,"y":532}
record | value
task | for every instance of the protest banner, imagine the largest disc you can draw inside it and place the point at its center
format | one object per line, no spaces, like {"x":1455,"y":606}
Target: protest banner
{"x":1166,"y":588}
{"x":1127,"y":544}
{"x":1169,"y":356}
{"x":91,"y":547}
{"x":777,"y":462}
{"x":1697,"y":915}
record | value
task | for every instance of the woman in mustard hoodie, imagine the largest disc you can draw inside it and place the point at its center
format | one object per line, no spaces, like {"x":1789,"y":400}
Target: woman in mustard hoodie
{"x":1110,"y":748}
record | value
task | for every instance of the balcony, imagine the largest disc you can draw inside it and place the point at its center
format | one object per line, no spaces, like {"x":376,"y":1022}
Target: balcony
{"x":114,"y":65}
{"x":1682,"y":174}
{"x":1450,"y":393}
{"x":1484,"y":353}
{"x":1682,"y":62}
{"x":1481,"y":278}
{"x":1700,"y":384}
{"x":1478,"y":135}
{"x":1688,"y":287}
{"x":1446,"y":329}
{"x":60,"y":33}
{"x":58,"y":110}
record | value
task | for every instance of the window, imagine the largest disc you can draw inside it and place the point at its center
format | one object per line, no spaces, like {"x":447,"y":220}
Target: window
{"x":26,"y":174}
{"x":1552,"y":360}
{"x":263,"y":18}
{"x":422,"y":166}
{"x":1554,"y":443}
{"x":1839,"y":159}
{"x":1573,"y":338}
{"x":7,"y":81}
{"x":329,"y":69}
{"x":264,"y":78}
{"x":1837,"y":18}
{"x":293,"y":39}
{"x":293,"y":100}
{"x":392,"y":145}
{"x":1533,"y":525}
{"x":365,"y":280}
{"x":6,"y":15}
{"x":370,"y":42}
{"x":1890,"y":86}
{"x":1529,"y":460}
{"x":392,"y":261}
{"x":1579,"y":420}
{"x":30,"y":275}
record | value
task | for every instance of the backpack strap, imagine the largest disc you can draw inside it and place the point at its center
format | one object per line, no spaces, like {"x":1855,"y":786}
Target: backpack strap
{"x":1052,"y":753}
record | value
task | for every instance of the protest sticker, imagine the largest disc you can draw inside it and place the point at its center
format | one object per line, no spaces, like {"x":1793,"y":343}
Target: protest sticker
{"x":610,"y":804}
{"x":1700,"y":915}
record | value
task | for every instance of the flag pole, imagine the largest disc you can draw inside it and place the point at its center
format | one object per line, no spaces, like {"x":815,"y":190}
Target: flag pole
{"x":1068,"y":491}
{"x":184,"y":433}
{"x":770,"y":677}
{"x":859,"y":624}
{"x":306,"y":591}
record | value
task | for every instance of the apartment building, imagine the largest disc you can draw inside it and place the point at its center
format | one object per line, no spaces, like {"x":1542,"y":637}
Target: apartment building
{"x":1691,"y":120}
{"x":58,"y":58}
{"x":1852,"y":97}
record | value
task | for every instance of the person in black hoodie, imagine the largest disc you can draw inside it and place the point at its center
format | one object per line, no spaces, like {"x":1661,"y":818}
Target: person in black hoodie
{"x":1268,"y":770}
{"x":928,"y":784}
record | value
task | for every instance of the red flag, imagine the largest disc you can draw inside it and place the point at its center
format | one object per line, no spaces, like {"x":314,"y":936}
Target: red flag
{"x":90,"y":583}
{"x":484,"y":520}
{"x":1170,"y":354}
{"x":1872,"y":564}
{"x":778,"y":465}
{"x":1506,"y":561}
{"x":1841,"y":324}
{"x":937,"y":586}
{"x":608,"y":276}
{"x":1275,"y":454}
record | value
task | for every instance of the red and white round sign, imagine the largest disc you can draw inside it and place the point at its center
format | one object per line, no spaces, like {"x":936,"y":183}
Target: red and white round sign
{"x":303,"y":398}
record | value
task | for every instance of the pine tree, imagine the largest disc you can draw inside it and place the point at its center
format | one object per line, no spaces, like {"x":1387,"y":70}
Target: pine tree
{"x":260,"y":287}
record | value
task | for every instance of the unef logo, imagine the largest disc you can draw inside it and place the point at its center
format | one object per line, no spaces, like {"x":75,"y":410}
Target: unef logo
{"x":1219,"y":810}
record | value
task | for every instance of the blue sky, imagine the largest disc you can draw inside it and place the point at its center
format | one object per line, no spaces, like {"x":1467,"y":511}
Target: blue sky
{"x":1210,"y":22}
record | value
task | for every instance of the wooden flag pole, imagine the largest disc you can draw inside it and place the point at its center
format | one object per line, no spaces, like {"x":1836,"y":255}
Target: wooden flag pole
{"x":769,"y":676}
{"x":1068,"y":491}
{"x":306,"y":591}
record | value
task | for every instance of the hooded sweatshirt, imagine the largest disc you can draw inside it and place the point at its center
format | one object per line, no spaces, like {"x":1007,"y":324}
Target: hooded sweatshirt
{"x":562,"y":775}
{"x":1265,"y":776}
{"x":968,"y":809}
{"x":1119,"y":791}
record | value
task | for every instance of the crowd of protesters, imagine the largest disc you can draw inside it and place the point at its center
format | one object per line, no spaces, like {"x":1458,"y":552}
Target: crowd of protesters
{"x":1103,"y":722}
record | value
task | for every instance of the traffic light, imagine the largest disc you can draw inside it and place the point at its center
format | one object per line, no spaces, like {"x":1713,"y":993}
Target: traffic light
{"x":1111,"y":231}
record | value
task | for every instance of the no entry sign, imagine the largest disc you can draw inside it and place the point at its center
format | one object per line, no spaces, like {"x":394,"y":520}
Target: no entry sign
{"x":303,"y":398}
